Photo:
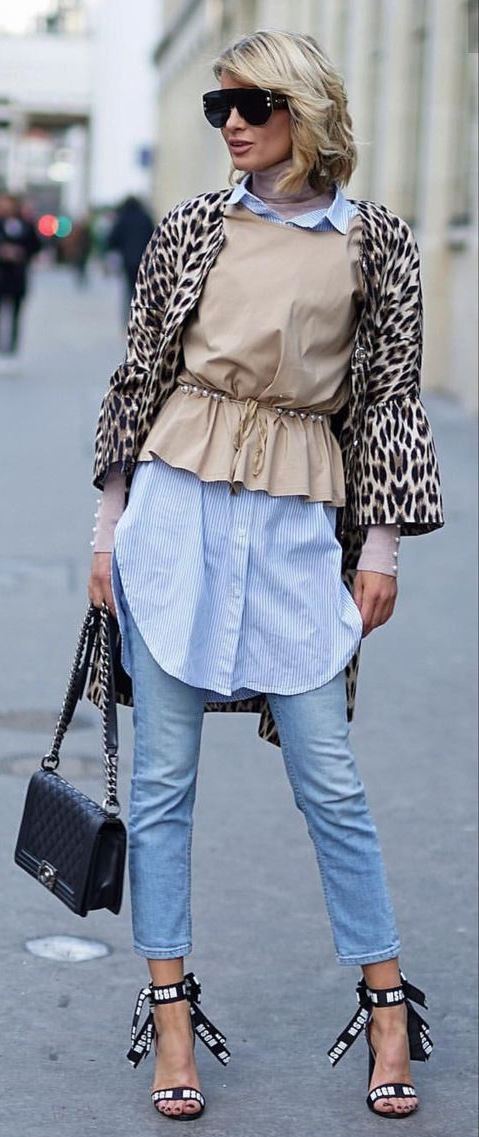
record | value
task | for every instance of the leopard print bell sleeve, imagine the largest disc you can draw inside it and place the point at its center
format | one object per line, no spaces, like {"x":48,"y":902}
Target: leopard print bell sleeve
{"x":119,"y":411}
{"x":396,"y":475}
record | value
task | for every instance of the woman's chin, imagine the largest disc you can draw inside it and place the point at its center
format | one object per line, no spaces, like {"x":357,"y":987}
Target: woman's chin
{"x":251,"y":163}
{"x":242,"y":163}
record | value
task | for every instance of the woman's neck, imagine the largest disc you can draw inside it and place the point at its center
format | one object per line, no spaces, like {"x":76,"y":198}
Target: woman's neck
{"x":287,"y":203}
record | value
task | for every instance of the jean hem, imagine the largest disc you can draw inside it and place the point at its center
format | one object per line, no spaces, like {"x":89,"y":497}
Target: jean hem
{"x":163,"y":953}
{"x":372,"y":957}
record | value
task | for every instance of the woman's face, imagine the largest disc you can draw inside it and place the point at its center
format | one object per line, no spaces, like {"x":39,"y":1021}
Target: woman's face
{"x":256,"y":147}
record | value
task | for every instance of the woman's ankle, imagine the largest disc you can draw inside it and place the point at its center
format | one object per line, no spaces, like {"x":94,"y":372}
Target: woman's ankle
{"x":390,"y":1021}
{"x":164,"y":972}
{"x":379,"y":976}
{"x":173,"y":1019}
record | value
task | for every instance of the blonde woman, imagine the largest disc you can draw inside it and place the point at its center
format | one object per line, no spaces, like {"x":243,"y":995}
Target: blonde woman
{"x":267,"y":426}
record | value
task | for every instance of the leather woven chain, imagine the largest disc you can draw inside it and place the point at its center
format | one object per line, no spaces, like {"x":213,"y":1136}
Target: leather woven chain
{"x":109,"y":721}
{"x":95,"y":622}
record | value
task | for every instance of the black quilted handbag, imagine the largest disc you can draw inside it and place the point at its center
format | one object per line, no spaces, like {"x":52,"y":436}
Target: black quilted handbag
{"x":73,"y":846}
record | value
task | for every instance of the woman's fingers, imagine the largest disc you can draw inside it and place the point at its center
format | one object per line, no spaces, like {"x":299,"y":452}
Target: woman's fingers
{"x":365,"y":601}
{"x":375,"y":594}
{"x":367,"y":613}
{"x":109,"y":599}
{"x":99,"y":584}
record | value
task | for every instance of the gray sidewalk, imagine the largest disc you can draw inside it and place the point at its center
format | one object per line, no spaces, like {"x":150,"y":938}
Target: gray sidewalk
{"x":263,"y":948}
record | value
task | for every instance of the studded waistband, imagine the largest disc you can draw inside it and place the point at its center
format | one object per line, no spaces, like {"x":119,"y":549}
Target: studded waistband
{"x":250,"y":417}
{"x":219,"y":396}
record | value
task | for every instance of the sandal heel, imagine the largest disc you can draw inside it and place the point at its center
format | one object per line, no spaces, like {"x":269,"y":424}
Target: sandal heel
{"x":420,"y":1044}
{"x":143,"y":1037}
{"x":372,"y":1062}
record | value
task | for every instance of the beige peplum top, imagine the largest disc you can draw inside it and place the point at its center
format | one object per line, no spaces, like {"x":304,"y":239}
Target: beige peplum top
{"x":266,"y":356}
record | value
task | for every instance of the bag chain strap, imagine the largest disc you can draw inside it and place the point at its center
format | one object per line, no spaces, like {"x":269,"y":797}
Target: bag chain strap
{"x":51,"y":760}
{"x":110,"y":744}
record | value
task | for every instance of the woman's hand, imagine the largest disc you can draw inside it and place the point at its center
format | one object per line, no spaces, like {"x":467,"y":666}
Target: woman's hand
{"x":99,"y":584}
{"x":375,"y":595}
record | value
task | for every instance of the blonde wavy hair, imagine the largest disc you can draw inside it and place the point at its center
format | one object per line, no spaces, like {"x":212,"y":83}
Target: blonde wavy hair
{"x":323,"y":149}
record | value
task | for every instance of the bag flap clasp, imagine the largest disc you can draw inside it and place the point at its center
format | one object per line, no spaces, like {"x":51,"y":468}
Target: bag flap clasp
{"x":47,"y":875}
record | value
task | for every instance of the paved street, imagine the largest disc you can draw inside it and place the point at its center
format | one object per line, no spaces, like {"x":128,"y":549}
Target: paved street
{"x":262,"y":943}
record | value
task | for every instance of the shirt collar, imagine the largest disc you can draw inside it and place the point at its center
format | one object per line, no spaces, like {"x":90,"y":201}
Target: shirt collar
{"x":338,"y":213}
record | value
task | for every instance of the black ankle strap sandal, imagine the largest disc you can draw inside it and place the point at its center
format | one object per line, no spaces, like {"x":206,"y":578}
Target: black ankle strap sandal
{"x":142,"y":1037}
{"x":420,"y":1043}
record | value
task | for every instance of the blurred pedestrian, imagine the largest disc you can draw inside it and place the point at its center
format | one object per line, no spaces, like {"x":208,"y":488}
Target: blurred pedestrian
{"x":77,"y":248}
{"x":102,"y":220}
{"x":19,"y":242}
{"x":131,"y":231}
{"x":267,"y":434}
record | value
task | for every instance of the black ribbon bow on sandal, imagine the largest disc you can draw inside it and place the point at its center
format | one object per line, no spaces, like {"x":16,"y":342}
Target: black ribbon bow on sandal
{"x":420,"y":1044}
{"x":142,"y":1037}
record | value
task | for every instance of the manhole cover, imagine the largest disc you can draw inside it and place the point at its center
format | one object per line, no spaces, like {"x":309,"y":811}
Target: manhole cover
{"x":44,"y":721}
{"x":68,"y":949}
{"x":72,"y":768}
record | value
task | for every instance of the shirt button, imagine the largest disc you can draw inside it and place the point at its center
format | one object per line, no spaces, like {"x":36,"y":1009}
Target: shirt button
{"x":237,"y":592}
{"x":242,"y":533}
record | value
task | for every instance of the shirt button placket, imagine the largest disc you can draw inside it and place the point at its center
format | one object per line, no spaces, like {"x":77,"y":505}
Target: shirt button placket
{"x":239,"y":565}
{"x":240,"y":559}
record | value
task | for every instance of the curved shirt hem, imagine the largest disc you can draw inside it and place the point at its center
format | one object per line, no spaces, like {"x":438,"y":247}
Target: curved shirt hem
{"x":247,"y":690}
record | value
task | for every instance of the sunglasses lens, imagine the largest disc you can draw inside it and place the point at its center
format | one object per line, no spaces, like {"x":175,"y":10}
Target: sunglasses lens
{"x":217,"y":107}
{"x":254,"y":106}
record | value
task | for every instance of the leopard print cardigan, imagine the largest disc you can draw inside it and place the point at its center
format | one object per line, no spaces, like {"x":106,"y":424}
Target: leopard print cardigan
{"x":389,"y":457}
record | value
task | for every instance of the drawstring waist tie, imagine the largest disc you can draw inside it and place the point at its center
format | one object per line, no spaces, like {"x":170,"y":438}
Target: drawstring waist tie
{"x":250,"y":416}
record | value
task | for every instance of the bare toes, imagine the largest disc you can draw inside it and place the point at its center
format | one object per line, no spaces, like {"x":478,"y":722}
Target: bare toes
{"x":395,"y":1106}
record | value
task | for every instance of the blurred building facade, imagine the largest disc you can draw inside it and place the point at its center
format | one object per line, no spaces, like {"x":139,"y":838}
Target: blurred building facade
{"x":77,"y":104}
{"x":45,"y":106}
{"x":123,"y":124}
{"x":410,"y":68}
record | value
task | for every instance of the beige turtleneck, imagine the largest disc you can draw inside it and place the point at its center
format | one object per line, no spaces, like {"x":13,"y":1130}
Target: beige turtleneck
{"x":287,"y":204}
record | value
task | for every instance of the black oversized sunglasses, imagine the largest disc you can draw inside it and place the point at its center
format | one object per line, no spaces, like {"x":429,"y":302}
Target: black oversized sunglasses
{"x":254,"y":104}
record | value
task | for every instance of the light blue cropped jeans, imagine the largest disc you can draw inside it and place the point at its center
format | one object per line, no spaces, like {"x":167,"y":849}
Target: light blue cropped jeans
{"x":314,"y":734}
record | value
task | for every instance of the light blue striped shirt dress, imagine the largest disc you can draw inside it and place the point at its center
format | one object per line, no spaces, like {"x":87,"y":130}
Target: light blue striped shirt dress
{"x":235,"y":593}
